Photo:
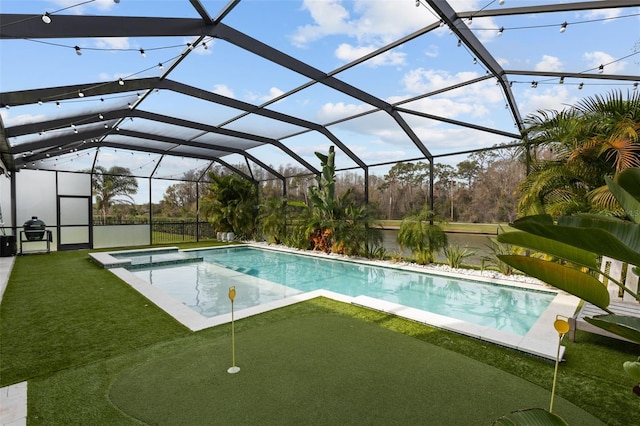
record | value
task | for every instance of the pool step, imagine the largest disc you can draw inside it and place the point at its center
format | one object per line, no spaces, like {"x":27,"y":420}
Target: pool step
{"x":170,"y":262}
{"x":240,"y":269}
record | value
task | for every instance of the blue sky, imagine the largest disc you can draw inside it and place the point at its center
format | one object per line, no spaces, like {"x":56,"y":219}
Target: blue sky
{"x":328,"y":35}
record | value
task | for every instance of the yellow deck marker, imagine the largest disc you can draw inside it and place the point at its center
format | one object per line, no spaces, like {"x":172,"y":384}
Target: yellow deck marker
{"x":561,"y":324}
{"x":233,"y":369}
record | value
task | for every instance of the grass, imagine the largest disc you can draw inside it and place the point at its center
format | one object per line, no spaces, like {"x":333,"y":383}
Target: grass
{"x":319,"y":367}
{"x":468,"y":228}
{"x":77,"y":333}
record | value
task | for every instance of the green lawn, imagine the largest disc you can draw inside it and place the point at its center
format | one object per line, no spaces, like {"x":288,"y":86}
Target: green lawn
{"x":95,"y":351}
{"x":467,"y":228}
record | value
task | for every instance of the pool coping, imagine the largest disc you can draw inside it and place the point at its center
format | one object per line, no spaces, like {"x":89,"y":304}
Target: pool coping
{"x":542,"y":340}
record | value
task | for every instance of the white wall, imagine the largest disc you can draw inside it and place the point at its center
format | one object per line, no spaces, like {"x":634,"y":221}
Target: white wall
{"x":36,"y":196}
{"x":5,"y":202}
{"x":121,"y":236}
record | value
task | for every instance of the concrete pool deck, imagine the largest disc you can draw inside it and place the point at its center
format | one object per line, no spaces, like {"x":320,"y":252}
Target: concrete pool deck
{"x":541,"y":340}
{"x":13,"y":398}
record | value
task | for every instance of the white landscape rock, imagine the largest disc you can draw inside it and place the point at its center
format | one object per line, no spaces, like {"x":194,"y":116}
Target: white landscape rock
{"x":518,"y":278}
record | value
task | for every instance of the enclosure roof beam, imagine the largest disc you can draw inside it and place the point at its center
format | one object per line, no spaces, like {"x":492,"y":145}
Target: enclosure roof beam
{"x":61,"y":123}
{"x":213,"y":129}
{"x":26,"y":26}
{"x":345,"y":67}
{"x":577,"y":75}
{"x":253,"y":109}
{"x":271,"y":54}
{"x":244,"y":106}
{"x":57,"y":141}
{"x":176,"y":141}
{"x":72,"y":138}
{"x":551,"y":8}
{"x":455,"y":23}
{"x":5,"y":149}
{"x":99,"y":89}
{"x":201,"y":11}
{"x":21,"y":26}
{"x":61,"y":93}
{"x":105,"y":143}
{"x":200,"y":157}
{"x":225,"y":10}
{"x":461,"y":123}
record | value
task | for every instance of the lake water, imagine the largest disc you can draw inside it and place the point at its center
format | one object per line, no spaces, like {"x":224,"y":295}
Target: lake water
{"x":475,"y":242}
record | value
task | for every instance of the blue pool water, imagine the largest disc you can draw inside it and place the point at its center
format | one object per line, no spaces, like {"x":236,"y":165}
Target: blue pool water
{"x":261,"y":276}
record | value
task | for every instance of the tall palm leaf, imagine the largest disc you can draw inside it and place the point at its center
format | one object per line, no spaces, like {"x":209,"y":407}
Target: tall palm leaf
{"x":595,"y":138}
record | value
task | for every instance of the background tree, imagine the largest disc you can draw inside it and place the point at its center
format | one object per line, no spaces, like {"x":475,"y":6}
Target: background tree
{"x":180,"y":199}
{"x":493,"y":195}
{"x":444,"y":176}
{"x":467,"y":171}
{"x":112,"y":186}
{"x":404,"y":189}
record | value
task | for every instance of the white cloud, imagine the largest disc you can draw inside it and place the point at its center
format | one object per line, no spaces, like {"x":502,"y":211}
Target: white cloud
{"x":377,"y":22}
{"x":552,"y":98}
{"x":274,"y":92}
{"x":329,"y":17}
{"x":103,"y":4}
{"x":200,"y":50}
{"x":448,"y":108}
{"x":439,"y":139}
{"x":420,"y":80}
{"x":484,"y":35}
{"x":373,"y":24}
{"x":310,"y":150}
{"x":432,"y":52}
{"x":76,"y":7}
{"x":224,"y":90}
{"x":348,"y":53}
{"x":549,"y":63}
{"x":377,"y":155}
{"x":103,"y":76}
{"x":332,"y":112}
{"x":597,"y":58}
{"x":603,"y":14}
{"x":112,"y":43}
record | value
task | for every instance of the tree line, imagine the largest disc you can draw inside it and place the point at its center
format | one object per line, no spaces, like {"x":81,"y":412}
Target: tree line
{"x":568,"y":153}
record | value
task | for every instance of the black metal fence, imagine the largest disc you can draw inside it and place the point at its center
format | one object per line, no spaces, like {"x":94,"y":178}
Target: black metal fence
{"x":173,"y":232}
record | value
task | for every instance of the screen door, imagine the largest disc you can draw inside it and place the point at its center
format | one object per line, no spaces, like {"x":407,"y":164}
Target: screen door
{"x":74,"y":225}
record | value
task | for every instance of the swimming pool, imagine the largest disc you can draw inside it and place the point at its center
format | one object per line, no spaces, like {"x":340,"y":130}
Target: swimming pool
{"x":503,"y":309}
{"x":262,"y":276}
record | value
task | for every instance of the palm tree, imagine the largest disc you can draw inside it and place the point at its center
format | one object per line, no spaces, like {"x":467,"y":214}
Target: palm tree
{"x":595,"y":138}
{"x":273,"y":219}
{"x":109,"y":185}
{"x":422,"y":236}
{"x":231,"y":205}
